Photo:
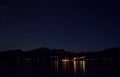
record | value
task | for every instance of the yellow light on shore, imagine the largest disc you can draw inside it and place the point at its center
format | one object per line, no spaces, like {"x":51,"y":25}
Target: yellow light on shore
{"x":74,"y":58}
{"x":65,"y":60}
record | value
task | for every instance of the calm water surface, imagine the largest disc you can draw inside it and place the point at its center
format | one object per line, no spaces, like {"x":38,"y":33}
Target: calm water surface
{"x":59,"y":69}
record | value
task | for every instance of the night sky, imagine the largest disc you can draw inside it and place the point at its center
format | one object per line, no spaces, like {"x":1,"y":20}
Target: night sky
{"x":82,"y":25}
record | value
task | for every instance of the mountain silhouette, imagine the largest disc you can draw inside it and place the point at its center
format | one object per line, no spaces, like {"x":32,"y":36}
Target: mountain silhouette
{"x":46,"y":53}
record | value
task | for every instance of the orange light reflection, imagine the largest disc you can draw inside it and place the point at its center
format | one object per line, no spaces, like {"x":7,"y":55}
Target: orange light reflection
{"x":65,"y":64}
{"x":75,"y":66}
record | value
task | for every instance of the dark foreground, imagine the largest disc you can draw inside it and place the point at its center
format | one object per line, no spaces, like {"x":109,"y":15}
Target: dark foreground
{"x":59,"y":69}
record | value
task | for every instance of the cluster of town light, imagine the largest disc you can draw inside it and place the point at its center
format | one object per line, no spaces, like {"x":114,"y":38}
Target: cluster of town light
{"x":74,"y":59}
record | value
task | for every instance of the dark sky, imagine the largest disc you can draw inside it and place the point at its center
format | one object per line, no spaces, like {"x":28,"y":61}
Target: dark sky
{"x":75,"y":25}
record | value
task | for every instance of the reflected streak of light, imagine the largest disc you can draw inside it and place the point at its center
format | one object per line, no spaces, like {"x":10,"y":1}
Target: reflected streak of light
{"x":56,"y":65}
{"x":82,"y":65}
{"x":65,"y":64}
{"x":75,"y":66}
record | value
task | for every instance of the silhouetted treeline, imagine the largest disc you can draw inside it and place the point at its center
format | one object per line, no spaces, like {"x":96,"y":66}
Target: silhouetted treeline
{"x":50,"y":54}
{"x":41,"y":53}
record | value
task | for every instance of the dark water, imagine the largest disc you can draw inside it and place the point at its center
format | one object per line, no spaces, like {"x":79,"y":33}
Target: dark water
{"x":59,"y":69}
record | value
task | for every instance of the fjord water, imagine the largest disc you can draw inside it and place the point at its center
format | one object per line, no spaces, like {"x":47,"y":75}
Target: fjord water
{"x":66,"y":68}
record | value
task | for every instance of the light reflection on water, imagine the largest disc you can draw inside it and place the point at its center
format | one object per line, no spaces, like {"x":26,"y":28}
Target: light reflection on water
{"x":75,"y":66}
{"x":65,"y":68}
{"x":65,"y":64}
{"x":83,"y":65}
{"x":56,"y":65}
{"x":68,"y":65}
